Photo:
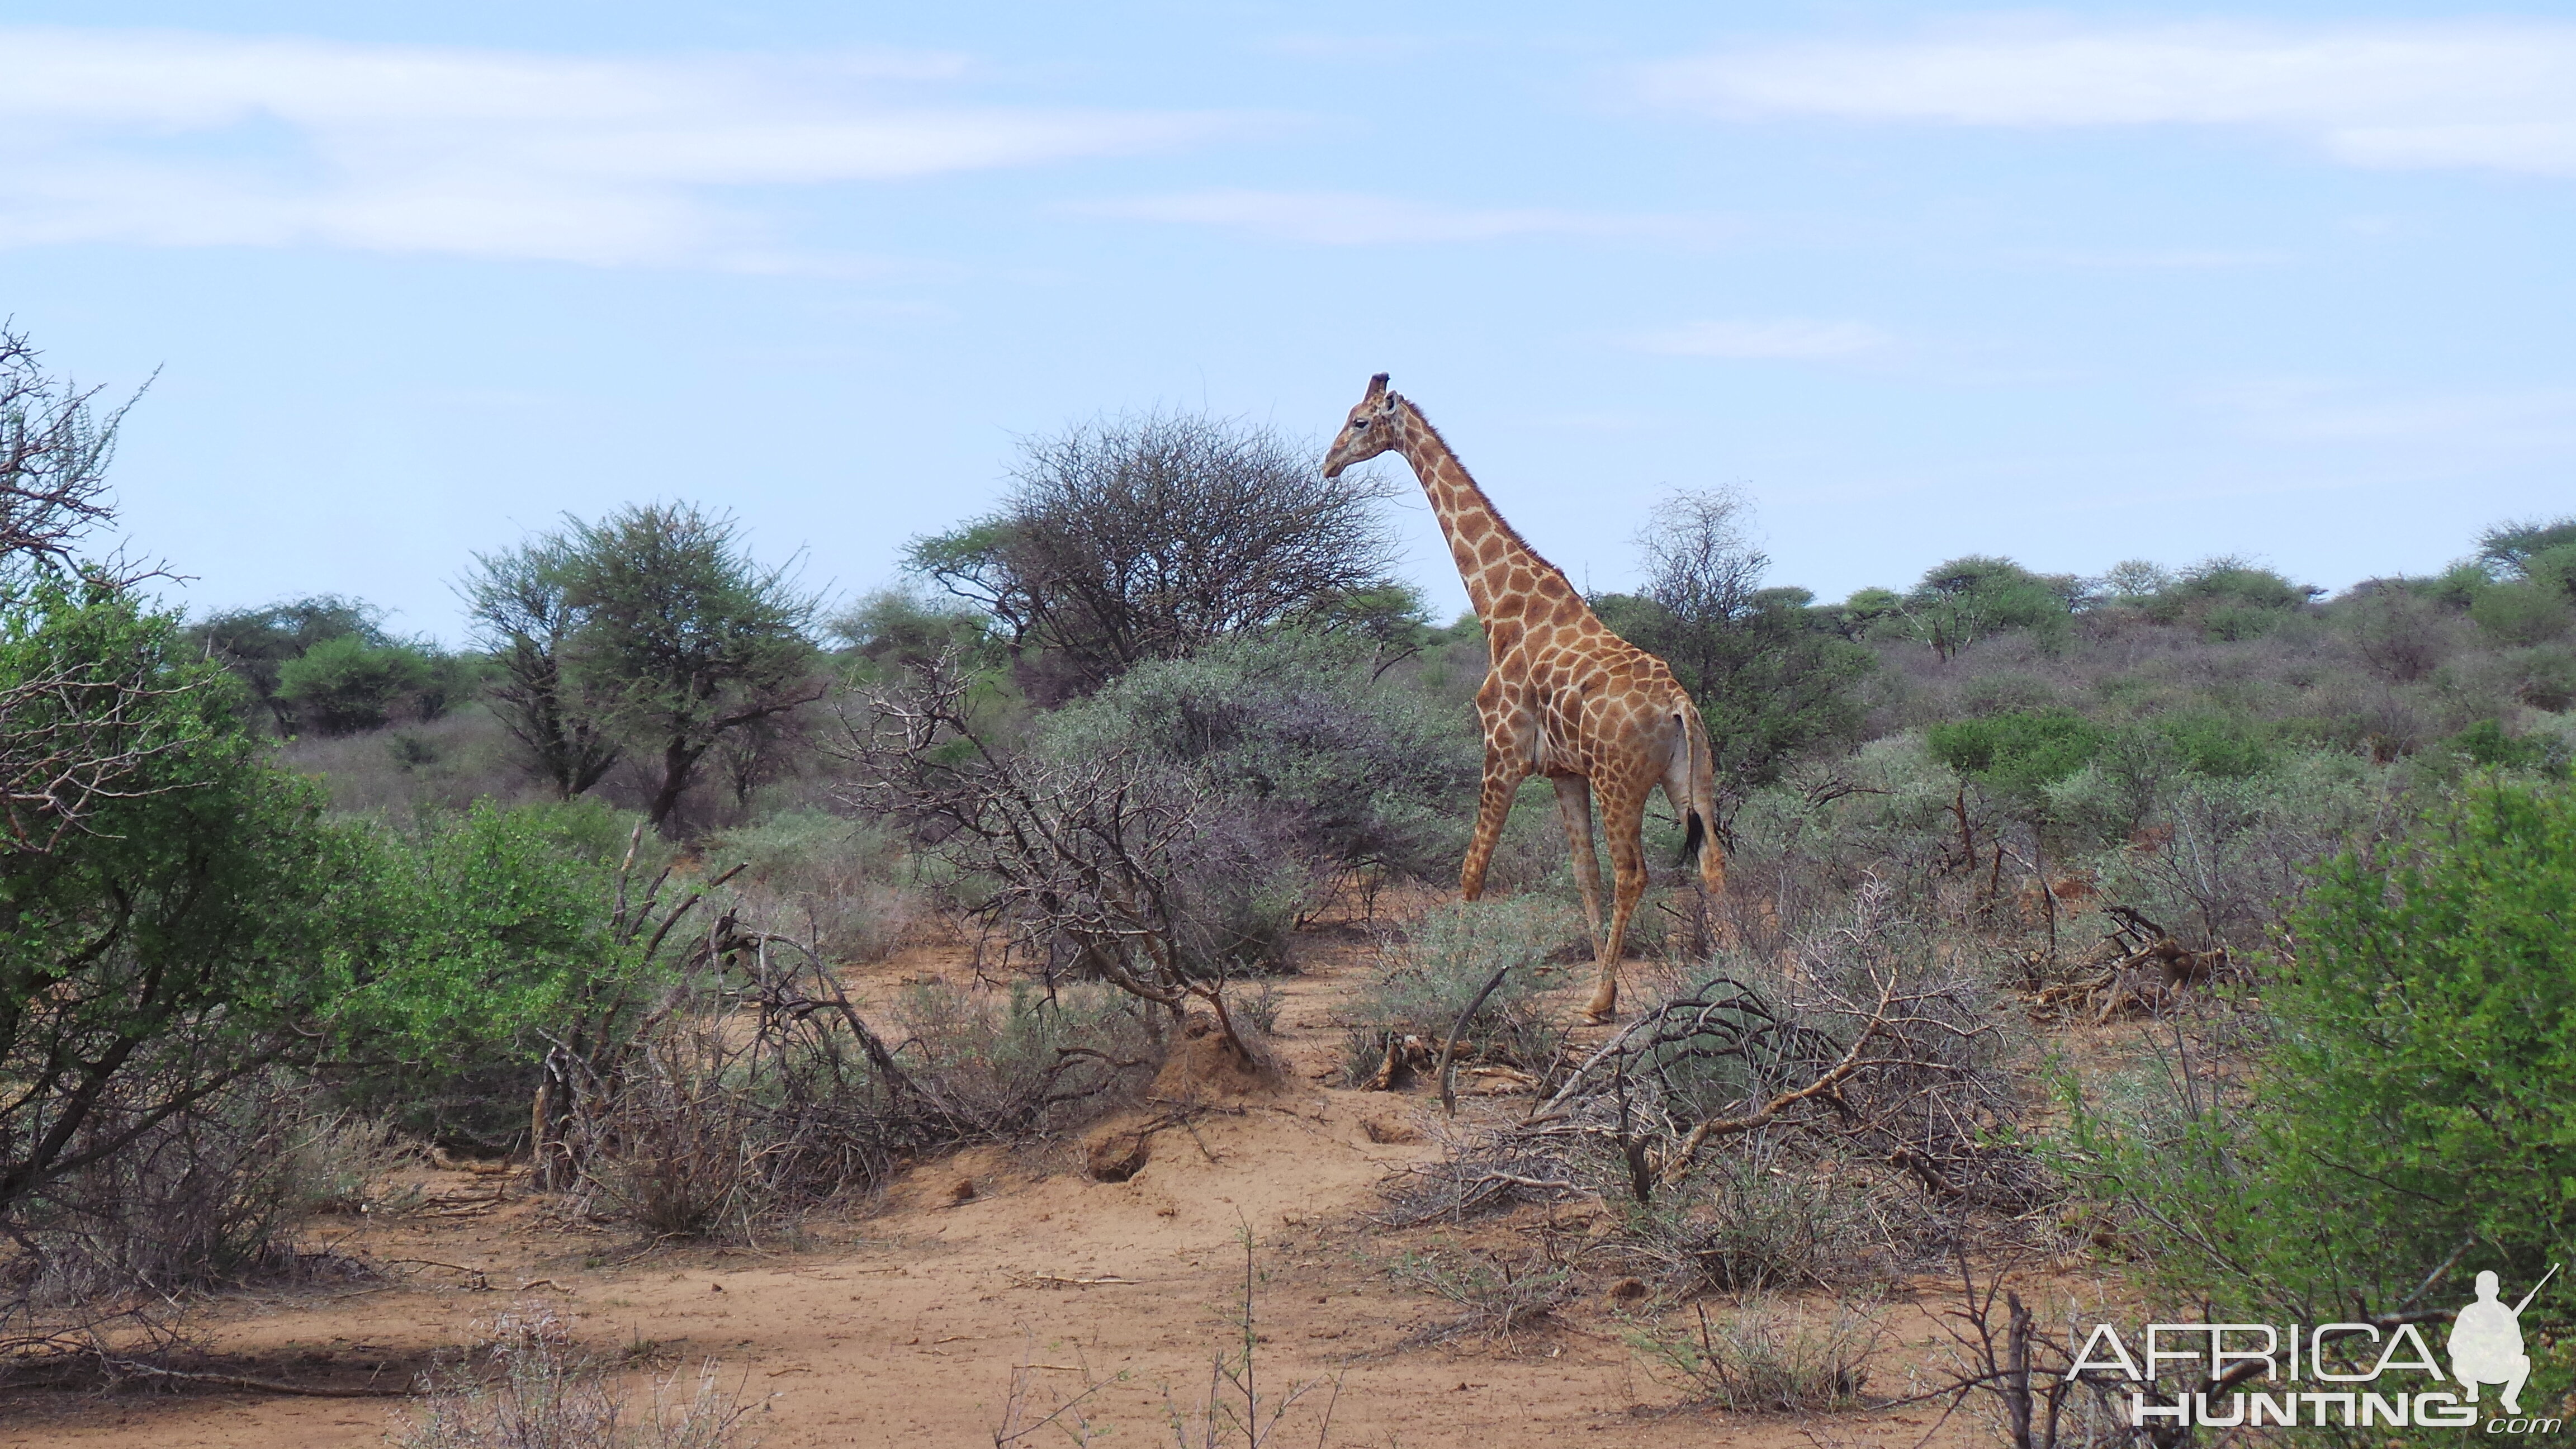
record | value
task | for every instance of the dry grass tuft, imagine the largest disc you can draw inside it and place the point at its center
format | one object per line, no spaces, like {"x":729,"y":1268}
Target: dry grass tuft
{"x":527,"y":1386}
{"x":1765,"y":1355}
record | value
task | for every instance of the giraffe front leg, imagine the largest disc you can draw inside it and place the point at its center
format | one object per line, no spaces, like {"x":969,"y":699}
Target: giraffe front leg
{"x":1623,"y":817}
{"x":1493,"y":807}
{"x":1574,"y":808}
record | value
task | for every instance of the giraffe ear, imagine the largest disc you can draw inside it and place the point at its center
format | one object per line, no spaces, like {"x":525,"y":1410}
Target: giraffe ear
{"x":1377,"y":388}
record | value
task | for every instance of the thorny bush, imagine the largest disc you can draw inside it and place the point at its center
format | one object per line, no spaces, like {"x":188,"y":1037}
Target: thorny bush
{"x":1865,"y":1066}
{"x":765,"y":1092}
{"x":1108,"y":867}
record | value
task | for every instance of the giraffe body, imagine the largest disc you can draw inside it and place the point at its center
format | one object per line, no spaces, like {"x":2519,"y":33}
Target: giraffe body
{"x":1563,"y":697}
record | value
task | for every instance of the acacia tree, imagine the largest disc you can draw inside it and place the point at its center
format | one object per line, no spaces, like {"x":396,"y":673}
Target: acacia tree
{"x":258,"y":643}
{"x":679,"y":639}
{"x":1976,"y":597}
{"x":517,"y":600}
{"x":1147,"y":537}
{"x":159,"y":952}
{"x":2534,"y":549}
{"x":164,"y":893}
{"x":325,"y":662}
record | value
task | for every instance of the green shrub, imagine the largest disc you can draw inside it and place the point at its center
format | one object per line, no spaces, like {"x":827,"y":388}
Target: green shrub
{"x":899,"y":628}
{"x":2429,"y":1030}
{"x":1294,"y":727}
{"x":2543,"y":676}
{"x":257,"y":644}
{"x":2522,"y":613}
{"x":824,"y":876}
{"x":2234,"y":622}
{"x":2226,"y":599}
{"x":480,"y":932}
{"x":2018,"y":755}
{"x":2531,"y":549}
{"x":2223,"y":746}
{"x":2486,"y":744}
{"x":2412,"y":1103}
{"x":347,"y":684}
{"x":170,"y":934}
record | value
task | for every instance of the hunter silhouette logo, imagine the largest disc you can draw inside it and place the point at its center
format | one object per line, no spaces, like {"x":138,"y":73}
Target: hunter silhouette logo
{"x":2486,"y":1342}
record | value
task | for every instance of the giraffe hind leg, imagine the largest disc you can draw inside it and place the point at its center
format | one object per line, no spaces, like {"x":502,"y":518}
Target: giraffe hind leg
{"x":1623,"y":819}
{"x":1574,"y":808}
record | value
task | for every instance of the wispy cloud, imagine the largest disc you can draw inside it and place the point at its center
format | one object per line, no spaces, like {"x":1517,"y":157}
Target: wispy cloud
{"x":187,"y":139}
{"x":2493,"y":95}
{"x":2308,"y":410}
{"x":1777,"y":338}
{"x":1342,"y":218}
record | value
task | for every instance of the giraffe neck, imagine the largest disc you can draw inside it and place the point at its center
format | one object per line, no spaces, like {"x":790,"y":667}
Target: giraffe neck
{"x":1506,"y":580}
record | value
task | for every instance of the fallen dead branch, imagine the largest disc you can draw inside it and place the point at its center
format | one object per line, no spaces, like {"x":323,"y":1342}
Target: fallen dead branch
{"x":1862,"y":1055}
{"x":2141,"y":965}
{"x":482,"y":1281}
{"x":243,"y":1381}
{"x":1051,"y":1280}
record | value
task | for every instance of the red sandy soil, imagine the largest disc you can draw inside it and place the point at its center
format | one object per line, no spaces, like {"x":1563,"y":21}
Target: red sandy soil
{"x":902,"y":1324}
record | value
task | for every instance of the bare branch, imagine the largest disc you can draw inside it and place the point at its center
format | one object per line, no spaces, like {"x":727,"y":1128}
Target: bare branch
{"x":54,"y":451}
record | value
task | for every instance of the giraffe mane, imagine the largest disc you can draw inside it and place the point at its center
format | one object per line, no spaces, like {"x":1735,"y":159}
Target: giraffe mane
{"x":1509,"y":531}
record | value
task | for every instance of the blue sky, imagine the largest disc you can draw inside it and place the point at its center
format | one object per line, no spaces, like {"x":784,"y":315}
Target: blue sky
{"x":2076,"y":285}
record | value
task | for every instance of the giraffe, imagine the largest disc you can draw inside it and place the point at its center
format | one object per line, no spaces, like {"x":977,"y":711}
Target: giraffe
{"x":1563,"y":696}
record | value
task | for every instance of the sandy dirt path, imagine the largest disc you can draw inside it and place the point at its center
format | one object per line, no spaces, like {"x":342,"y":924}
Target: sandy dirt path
{"x":904,"y":1327}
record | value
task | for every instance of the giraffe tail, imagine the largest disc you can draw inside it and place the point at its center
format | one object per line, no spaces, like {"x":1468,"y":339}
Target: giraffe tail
{"x":1695,"y":821}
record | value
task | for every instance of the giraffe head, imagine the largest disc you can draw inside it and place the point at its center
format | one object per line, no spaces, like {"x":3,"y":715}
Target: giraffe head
{"x":1369,"y":432}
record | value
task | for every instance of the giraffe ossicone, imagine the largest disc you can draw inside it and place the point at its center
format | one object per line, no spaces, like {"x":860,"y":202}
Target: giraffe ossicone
{"x":1563,"y":696}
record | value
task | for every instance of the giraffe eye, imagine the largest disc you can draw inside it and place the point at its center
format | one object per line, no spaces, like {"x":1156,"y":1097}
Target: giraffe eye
{"x":1359,"y":422}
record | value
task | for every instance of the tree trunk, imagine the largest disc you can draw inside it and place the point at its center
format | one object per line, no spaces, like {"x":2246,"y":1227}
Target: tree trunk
{"x":679,"y":762}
